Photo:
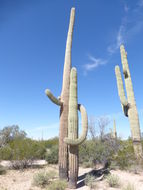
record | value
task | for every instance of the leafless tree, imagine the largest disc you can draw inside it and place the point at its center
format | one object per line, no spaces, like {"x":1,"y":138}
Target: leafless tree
{"x":98,"y":124}
{"x":9,"y":133}
{"x":103,"y":122}
{"x":92,"y":127}
{"x":102,"y":141}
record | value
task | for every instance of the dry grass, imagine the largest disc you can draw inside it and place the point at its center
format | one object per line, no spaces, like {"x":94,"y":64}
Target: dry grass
{"x":22,"y":180}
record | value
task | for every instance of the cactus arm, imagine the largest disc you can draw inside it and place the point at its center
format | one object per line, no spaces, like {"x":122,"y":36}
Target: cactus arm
{"x":124,"y":61}
{"x":121,"y":91}
{"x":84,"y":126}
{"x":53,"y":98}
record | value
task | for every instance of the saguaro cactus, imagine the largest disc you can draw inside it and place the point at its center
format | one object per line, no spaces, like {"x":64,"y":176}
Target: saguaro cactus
{"x":73,"y":141}
{"x":63,"y":102}
{"x":129,"y":104}
{"x":114,"y":134}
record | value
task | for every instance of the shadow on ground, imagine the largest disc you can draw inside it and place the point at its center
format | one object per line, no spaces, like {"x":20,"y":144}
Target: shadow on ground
{"x":98,"y":174}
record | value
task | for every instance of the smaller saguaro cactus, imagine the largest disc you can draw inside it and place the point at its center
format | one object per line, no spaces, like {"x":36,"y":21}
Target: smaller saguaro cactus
{"x":129,"y":104}
{"x":114,"y":133}
{"x":72,"y":140}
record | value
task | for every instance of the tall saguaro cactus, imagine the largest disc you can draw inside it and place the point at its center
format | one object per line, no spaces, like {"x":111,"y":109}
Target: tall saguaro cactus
{"x":63,"y":102}
{"x":73,"y":141}
{"x":129,"y":104}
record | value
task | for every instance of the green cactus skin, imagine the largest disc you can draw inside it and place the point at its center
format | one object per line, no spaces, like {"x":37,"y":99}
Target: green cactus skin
{"x":73,"y":141}
{"x":129,"y":104}
{"x":63,"y":102}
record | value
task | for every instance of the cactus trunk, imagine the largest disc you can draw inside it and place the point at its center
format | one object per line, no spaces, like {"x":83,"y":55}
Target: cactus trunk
{"x":73,"y":139}
{"x":73,"y":130}
{"x":129,"y":104}
{"x":63,"y":149}
{"x":63,"y":102}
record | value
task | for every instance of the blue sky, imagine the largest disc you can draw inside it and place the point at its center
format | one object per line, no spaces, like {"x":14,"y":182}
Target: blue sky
{"x":32,"y":46}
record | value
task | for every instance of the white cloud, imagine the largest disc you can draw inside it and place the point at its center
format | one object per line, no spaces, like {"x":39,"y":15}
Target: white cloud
{"x":132,"y":24}
{"x":126,"y":8}
{"x":140,"y":3}
{"x":94,"y":63}
{"x":119,"y":40}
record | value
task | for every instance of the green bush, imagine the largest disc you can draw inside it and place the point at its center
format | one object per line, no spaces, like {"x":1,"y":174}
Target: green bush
{"x":113,"y":180}
{"x":10,"y":133}
{"x":27,"y":149}
{"x":87,"y":164}
{"x":2,"y":170}
{"x":6,"y":153}
{"x":51,"y":142}
{"x":22,"y":149}
{"x":125,"y":156}
{"x":57,"y":185}
{"x":52,"y":155}
{"x":43,"y":178}
{"x":90,"y":181}
{"x":96,"y":151}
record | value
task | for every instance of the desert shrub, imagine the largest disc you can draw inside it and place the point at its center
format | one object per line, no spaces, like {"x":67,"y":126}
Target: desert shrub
{"x":2,"y":170}
{"x":129,"y":187}
{"x":51,"y":142}
{"x":90,"y":181}
{"x":20,"y":164}
{"x":10,"y":133}
{"x":27,"y":149}
{"x":86,"y":153}
{"x":113,"y":165}
{"x":15,"y":146}
{"x":125,"y":156}
{"x":57,"y":185}
{"x":52,"y":155}
{"x":96,"y":151}
{"x":6,"y":153}
{"x":43,"y":178}
{"x":136,"y":169}
{"x":87,"y":164}
{"x":113,"y":180}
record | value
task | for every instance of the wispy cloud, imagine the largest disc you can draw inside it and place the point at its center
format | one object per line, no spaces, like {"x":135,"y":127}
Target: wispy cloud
{"x":94,"y":63}
{"x":131,"y":24}
{"x":119,"y":40}
{"x":126,"y":8}
{"x":140,"y":3}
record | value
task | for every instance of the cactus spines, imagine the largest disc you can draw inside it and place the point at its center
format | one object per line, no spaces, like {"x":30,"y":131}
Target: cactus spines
{"x":73,"y":141}
{"x":129,"y":104}
{"x":63,"y":102}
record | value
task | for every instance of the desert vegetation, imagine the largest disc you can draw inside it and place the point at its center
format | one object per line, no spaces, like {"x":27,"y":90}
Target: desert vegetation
{"x":99,"y":156}
{"x":96,"y":159}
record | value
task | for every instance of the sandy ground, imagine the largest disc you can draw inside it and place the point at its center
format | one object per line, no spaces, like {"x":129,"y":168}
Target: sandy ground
{"x":22,"y":180}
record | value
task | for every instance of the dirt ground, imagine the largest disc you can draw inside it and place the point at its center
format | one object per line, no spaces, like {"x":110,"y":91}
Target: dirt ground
{"x":22,"y":180}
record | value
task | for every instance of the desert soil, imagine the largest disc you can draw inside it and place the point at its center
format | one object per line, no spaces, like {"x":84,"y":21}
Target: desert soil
{"x":22,"y":180}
